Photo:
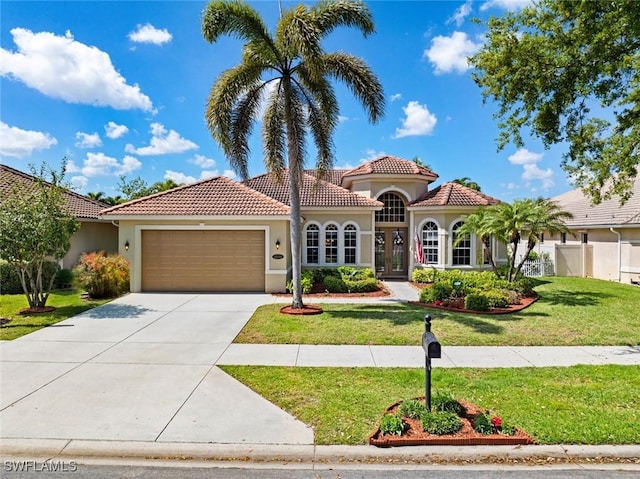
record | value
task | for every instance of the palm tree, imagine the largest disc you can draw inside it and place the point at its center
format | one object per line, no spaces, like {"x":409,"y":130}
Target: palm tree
{"x":466,"y":181}
{"x":97,"y":196}
{"x":478,"y":224}
{"x":289,"y":70}
{"x":524,"y":219}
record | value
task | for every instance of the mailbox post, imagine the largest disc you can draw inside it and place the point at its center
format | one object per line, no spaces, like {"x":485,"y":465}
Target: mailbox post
{"x":431,"y":348}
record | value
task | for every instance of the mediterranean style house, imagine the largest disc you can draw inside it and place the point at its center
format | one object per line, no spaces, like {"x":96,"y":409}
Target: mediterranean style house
{"x":95,"y":234}
{"x":604,"y":239}
{"x":222,"y":235}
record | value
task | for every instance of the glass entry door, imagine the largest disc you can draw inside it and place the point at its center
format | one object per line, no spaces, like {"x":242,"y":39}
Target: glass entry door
{"x":391,"y":252}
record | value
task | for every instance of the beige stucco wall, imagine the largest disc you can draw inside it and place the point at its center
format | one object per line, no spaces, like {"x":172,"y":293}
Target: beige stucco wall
{"x":92,"y":236}
{"x":276,"y":269}
{"x":409,"y":189}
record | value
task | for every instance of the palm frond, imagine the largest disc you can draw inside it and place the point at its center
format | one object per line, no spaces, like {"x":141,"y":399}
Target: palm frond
{"x":332,"y":14}
{"x":295,"y":120}
{"x":360,"y":79}
{"x":274,"y":134}
{"x":298,"y":34}
{"x":237,"y":19}
{"x":320,"y":89}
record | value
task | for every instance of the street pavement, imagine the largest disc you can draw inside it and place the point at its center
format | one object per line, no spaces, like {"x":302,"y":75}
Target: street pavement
{"x":138,"y":377}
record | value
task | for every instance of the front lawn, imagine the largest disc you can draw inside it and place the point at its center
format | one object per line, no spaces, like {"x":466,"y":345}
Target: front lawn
{"x":570,"y":311}
{"x":68,"y":303}
{"x":576,"y":405}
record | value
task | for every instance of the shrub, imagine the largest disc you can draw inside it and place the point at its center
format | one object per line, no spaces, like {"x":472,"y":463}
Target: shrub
{"x":10,"y":281}
{"x":447,"y":403}
{"x":392,"y":424}
{"x":64,"y":278}
{"x":421,"y":275}
{"x":335,"y":285}
{"x":500,"y":298}
{"x":476,"y":302}
{"x":524,"y":286}
{"x":102,"y":276}
{"x":441,"y":422}
{"x":412,"y":408}
{"x":361,"y":286}
{"x":437,"y":292}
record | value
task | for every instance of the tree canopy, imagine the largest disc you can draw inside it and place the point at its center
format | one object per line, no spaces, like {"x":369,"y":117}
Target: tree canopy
{"x":568,"y":72}
{"x":36,"y":227}
{"x":285,"y":78}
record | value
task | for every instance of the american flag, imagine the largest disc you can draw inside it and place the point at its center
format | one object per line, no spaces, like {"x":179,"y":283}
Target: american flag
{"x":419,"y":252}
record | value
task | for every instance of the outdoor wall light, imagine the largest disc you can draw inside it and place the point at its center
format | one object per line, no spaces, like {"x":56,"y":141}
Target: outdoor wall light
{"x":278,"y":243}
{"x":126,"y":245}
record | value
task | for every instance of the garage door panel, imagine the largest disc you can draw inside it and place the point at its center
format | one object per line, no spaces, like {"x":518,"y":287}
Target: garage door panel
{"x":175,"y":260}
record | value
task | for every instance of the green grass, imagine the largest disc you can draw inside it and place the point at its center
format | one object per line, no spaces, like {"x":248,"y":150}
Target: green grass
{"x":570,"y":311}
{"x":576,"y":405}
{"x":68,"y":303}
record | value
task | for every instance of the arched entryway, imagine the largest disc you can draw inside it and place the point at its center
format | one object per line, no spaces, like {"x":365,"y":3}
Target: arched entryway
{"x":391,"y":237}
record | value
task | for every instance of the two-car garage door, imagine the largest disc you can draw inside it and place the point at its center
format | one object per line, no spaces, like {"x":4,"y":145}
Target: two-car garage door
{"x":203,"y":260}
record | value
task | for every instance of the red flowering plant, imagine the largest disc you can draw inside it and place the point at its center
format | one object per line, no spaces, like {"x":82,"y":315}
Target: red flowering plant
{"x":494,"y":425}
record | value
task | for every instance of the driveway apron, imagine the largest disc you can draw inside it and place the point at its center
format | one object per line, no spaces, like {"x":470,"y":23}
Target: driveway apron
{"x":141,"y":368}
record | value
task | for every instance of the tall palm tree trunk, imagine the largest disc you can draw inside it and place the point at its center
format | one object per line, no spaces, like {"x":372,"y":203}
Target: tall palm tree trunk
{"x":295,"y":233}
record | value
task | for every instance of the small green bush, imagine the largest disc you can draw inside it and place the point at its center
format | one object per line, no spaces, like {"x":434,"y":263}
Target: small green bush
{"x":64,"y":278}
{"x":445,"y":402}
{"x":392,"y":424}
{"x":421,"y":275}
{"x":499,"y":298}
{"x":367,"y":285}
{"x":335,"y":285}
{"x":438,"y":291}
{"x":102,"y":276}
{"x":476,"y":302}
{"x":483,"y":425}
{"x":412,"y":408}
{"x":441,"y":422}
{"x":524,"y":286}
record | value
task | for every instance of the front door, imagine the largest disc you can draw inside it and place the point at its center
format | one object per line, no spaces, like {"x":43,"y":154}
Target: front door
{"x":391,"y":252}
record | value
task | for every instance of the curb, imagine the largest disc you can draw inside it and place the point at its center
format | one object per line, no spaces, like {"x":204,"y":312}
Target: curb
{"x":48,"y":449}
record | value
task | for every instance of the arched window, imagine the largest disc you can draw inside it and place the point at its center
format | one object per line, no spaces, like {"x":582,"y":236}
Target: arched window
{"x":350,"y":244}
{"x":331,"y":244}
{"x":393,"y":210}
{"x":430,"y":242}
{"x":313,"y":244}
{"x":461,"y":254}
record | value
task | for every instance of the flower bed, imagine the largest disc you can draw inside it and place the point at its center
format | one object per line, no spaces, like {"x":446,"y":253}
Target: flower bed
{"x":467,"y":435}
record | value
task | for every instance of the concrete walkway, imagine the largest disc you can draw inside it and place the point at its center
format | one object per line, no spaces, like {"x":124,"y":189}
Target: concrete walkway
{"x":138,"y":377}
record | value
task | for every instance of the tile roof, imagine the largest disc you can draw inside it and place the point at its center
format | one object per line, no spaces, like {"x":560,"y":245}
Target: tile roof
{"x":313,"y":193}
{"x":81,"y":207}
{"x":453,"y":194}
{"x":332,"y":176}
{"x":391,"y":165}
{"x":607,"y":213}
{"x":218,"y":196}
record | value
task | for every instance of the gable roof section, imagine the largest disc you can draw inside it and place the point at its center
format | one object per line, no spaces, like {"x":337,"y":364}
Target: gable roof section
{"x":81,"y":207}
{"x":331,"y":176}
{"x":453,"y":194}
{"x":218,"y":196}
{"x":607,"y":213}
{"x":313,"y":192}
{"x":391,"y":165}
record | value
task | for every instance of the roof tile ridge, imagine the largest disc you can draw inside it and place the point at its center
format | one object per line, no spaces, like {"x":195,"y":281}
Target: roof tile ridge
{"x":259,"y":194}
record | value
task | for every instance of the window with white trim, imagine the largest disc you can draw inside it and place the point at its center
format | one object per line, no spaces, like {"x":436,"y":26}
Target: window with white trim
{"x":331,"y":244}
{"x":393,"y":210}
{"x":430,"y":242}
{"x":461,"y":254}
{"x":313,"y":244}
{"x":350,"y":236}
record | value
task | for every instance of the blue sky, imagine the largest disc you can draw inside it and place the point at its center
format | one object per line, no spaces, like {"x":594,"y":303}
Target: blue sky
{"x":119,"y":88}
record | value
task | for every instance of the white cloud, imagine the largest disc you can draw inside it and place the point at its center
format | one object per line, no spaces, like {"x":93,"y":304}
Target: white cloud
{"x":342,"y":119}
{"x":113,"y":130}
{"x":99,"y":164}
{"x":60,"y":67}
{"x":510,"y":5}
{"x":150,"y":34}
{"x":531,"y":171}
{"x":79,"y":182}
{"x":88,"y":140}
{"x":182,"y":178}
{"x":230,"y":174}
{"x":418,"y":121}
{"x":163,"y":142}
{"x":396,"y":96}
{"x":462,"y":12}
{"x":449,"y":54}
{"x":20,"y":143}
{"x":203,"y":162}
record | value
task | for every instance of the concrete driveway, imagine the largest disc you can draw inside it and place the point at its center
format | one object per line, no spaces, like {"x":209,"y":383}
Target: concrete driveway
{"x":141,"y":368}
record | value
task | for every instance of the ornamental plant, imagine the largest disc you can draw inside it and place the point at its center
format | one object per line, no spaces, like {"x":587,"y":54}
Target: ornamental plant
{"x":102,"y":276}
{"x":486,"y":424}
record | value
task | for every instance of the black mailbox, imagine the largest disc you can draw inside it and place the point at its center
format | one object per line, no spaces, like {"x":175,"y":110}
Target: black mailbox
{"x":431,"y":345}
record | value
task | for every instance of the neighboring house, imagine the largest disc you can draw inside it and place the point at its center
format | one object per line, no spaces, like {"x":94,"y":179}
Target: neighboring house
{"x":604,"y":241}
{"x":221,"y":235}
{"x":95,"y":234}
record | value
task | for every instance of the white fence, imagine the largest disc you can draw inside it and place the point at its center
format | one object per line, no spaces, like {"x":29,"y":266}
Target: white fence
{"x":538,"y":268}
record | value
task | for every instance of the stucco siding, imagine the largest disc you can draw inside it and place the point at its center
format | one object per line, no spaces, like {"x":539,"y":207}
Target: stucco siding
{"x":92,"y":236}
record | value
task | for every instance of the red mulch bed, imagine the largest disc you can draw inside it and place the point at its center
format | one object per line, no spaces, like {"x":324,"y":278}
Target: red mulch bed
{"x":307,"y":309}
{"x":318,"y":291}
{"x":466,"y":436}
{"x":46,"y":309}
